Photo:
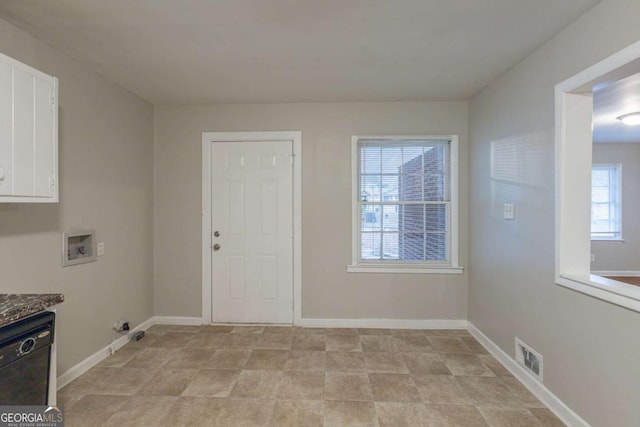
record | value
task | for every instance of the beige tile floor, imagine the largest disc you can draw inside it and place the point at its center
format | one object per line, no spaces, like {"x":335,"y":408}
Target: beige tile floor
{"x":283,"y":376}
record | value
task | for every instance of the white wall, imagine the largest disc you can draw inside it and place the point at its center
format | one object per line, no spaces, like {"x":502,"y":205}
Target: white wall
{"x":106,"y":143}
{"x":621,"y":256}
{"x":328,"y":291}
{"x":590,"y":348}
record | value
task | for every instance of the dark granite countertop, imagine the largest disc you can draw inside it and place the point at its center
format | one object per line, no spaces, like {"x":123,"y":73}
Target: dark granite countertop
{"x":17,"y":306}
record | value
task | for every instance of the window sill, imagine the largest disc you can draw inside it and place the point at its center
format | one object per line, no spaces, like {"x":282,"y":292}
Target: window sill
{"x":620,"y":240}
{"x":612,"y":291}
{"x":395,"y":268}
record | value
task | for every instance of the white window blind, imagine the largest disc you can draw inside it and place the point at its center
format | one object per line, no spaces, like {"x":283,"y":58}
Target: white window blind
{"x":405,"y":201}
{"x":606,"y":204}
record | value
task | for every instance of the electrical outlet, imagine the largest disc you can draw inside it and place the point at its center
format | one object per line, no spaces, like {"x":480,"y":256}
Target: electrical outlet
{"x":100,"y":249}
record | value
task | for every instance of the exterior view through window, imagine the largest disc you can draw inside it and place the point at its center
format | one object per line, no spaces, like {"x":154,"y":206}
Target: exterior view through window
{"x":606,"y":221}
{"x":404,"y":200}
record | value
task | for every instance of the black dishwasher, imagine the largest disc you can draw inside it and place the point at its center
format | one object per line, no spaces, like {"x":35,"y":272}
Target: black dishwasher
{"x":25,"y":352}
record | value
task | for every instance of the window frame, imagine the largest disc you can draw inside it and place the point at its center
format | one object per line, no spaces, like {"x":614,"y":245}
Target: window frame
{"x":617,"y":237}
{"x":382,"y":266}
{"x":573,"y":162}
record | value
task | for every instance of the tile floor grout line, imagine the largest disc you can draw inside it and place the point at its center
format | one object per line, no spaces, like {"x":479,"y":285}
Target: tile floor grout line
{"x":449,"y":356}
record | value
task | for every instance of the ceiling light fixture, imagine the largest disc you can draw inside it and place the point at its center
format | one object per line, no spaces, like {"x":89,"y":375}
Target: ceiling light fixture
{"x":631,"y":119}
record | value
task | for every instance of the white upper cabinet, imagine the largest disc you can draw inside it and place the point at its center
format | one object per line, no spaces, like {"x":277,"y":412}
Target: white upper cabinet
{"x":28,"y":134}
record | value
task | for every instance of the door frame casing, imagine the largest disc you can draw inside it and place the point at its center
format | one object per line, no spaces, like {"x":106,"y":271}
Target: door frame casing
{"x":207,"y":279}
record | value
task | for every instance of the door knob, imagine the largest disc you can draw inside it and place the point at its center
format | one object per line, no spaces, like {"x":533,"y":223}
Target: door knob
{"x":216,"y":247}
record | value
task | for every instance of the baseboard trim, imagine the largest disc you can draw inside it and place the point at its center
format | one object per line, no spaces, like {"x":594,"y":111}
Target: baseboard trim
{"x":557,"y":406}
{"x":97,"y":357}
{"x":177,"y":320}
{"x":617,"y":273}
{"x":384,"y":323}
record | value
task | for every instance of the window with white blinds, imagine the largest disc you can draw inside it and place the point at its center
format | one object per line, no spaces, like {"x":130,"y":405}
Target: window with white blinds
{"x":405,"y":201}
{"x":606,"y":203}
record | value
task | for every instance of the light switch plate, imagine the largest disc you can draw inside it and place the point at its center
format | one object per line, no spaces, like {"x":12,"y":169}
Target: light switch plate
{"x":100,"y":248}
{"x":509,"y":211}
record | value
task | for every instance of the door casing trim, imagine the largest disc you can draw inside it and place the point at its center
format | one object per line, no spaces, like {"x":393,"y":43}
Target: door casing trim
{"x":211,"y":137}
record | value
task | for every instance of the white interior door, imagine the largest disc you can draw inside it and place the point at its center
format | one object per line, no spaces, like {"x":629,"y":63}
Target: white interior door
{"x":252,"y":224}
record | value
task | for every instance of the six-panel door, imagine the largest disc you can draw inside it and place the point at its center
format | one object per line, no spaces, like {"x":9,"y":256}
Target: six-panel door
{"x":252,"y":213}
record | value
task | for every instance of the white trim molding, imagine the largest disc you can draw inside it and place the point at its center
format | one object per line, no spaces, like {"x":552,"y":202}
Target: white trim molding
{"x":97,"y":357}
{"x":385,"y":323}
{"x":452,"y":265}
{"x":629,"y":273}
{"x":573,"y":163}
{"x":365,"y":268}
{"x":177,"y":320}
{"x":211,"y":137}
{"x":553,"y":402}
{"x":558,"y":407}
{"x":619,"y":293}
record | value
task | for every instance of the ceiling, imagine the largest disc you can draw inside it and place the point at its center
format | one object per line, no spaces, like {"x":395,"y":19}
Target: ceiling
{"x":611,"y":100}
{"x":233,"y":51}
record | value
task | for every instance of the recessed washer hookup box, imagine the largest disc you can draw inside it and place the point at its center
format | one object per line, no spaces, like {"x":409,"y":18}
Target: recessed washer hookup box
{"x":78,"y":247}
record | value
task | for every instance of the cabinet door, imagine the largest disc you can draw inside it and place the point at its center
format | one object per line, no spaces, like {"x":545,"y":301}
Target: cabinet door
{"x":23,"y":142}
{"x":6,"y":130}
{"x":28,"y":134}
{"x":44,"y":139}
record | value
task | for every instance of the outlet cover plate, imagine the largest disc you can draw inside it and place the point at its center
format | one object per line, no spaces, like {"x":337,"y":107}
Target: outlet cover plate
{"x":509,"y":211}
